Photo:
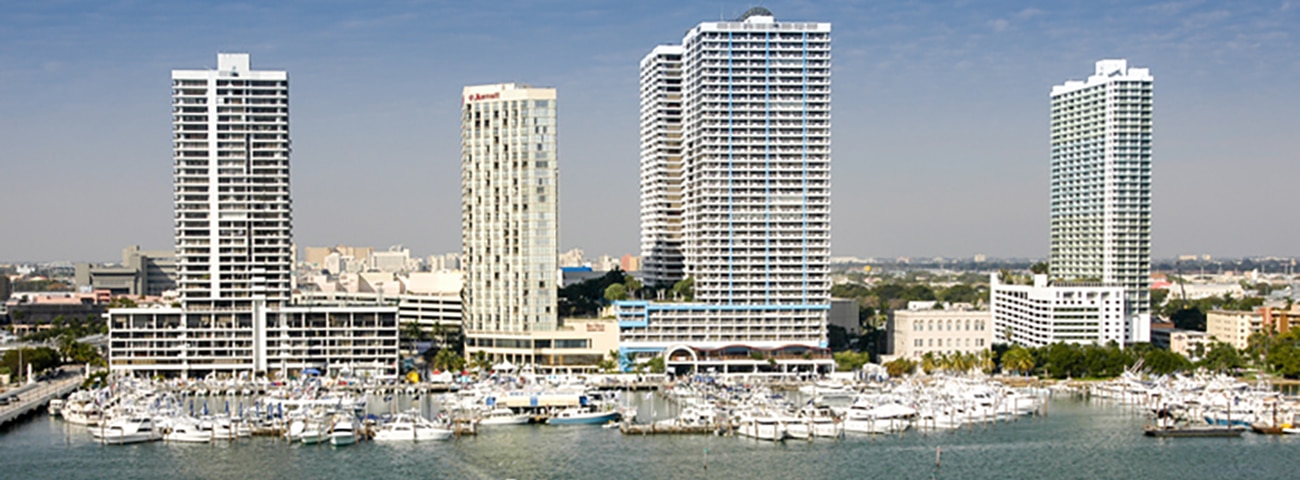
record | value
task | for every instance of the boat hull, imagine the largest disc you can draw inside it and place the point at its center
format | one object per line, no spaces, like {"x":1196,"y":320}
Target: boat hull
{"x":585,"y":419}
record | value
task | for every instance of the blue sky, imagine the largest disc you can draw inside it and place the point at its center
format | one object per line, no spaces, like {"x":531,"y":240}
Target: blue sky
{"x":940,"y":115}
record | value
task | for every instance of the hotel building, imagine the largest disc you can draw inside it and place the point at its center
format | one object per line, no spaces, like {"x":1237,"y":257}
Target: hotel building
{"x":735,"y":196}
{"x":234,"y":251}
{"x":1044,"y":313}
{"x":509,"y":233}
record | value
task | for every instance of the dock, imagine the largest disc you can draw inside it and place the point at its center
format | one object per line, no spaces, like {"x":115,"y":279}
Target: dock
{"x":656,"y":429}
{"x":33,"y":397}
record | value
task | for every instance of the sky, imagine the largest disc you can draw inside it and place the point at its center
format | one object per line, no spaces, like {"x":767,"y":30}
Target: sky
{"x":940,"y":127}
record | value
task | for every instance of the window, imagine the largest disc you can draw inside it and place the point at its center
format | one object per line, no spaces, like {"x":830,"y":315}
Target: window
{"x":572,"y":343}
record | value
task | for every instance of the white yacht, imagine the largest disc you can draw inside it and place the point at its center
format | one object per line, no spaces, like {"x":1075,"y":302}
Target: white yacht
{"x":762,"y":428}
{"x":313,"y":433}
{"x":124,"y":430}
{"x":886,"y":418}
{"x":188,"y":430}
{"x":505,"y":416}
{"x":410,"y":427}
{"x":81,"y":409}
{"x":344,"y":431}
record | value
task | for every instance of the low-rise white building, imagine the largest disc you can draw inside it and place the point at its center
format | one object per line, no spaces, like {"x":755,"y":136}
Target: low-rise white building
{"x":1076,"y":312}
{"x":193,"y":343}
{"x":915,"y":332}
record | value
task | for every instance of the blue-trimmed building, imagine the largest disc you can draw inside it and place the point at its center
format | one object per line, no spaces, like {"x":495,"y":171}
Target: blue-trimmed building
{"x":735,"y":195}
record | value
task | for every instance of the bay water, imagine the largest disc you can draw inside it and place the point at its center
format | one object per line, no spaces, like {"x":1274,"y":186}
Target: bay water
{"x":1075,"y":439}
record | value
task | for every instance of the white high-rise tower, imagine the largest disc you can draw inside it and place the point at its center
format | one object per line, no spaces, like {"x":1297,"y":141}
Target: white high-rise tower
{"x":1099,"y":274}
{"x":746,"y":202}
{"x":230,"y":136}
{"x":1101,"y":182}
{"x":661,"y":165}
{"x":234,"y":250}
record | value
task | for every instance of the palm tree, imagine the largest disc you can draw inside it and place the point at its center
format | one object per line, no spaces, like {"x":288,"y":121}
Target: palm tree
{"x":986,"y":361}
{"x":1018,"y":359}
{"x":479,"y":361}
{"x":448,"y":360}
{"x":928,"y":363}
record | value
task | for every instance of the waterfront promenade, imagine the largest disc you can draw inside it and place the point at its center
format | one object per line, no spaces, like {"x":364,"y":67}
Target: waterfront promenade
{"x":32,"y":397}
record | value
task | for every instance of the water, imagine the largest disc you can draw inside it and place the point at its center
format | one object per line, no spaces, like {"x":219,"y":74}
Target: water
{"x":1075,"y":440}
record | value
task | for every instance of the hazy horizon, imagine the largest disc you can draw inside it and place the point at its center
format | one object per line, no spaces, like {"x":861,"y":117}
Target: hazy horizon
{"x":940,"y":117}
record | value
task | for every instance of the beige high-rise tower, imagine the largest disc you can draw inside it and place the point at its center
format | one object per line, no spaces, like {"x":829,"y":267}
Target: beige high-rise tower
{"x":509,"y":215}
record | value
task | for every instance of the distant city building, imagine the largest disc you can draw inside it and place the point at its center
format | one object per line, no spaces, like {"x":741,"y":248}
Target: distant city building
{"x":142,"y":272}
{"x":444,"y":262}
{"x":572,"y":258}
{"x":31,"y":311}
{"x":749,"y":193}
{"x":1044,"y":313}
{"x":630,"y":263}
{"x":6,"y":287}
{"x":1235,"y":327}
{"x":844,"y":314}
{"x":1181,"y":341}
{"x":574,"y":275}
{"x":1197,"y":291}
{"x":315,"y":257}
{"x":1101,"y":183}
{"x":234,"y":249}
{"x":395,"y":260}
{"x":914,"y":333}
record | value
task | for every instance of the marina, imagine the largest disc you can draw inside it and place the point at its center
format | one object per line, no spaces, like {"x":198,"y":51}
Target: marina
{"x":1080,"y":438}
{"x":507,"y":427}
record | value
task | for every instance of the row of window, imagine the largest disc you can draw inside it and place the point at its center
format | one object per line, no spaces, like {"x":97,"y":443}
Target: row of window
{"x":948,"y":342}
{"x":947,"y":325}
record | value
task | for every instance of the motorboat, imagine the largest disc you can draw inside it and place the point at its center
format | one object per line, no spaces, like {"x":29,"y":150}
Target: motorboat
{"x":580,"y":416}
{"x":886,"y":418}
{"x":188,"y":430}
{"x":762,"y":428}
{"x":124,"y":430}
{"x":813,"y":423}
{"x":55,"y":406}
{"x":343,"y":432}
{"x":505,"y":416}
{"x":410,"y":427}
{"x":313,"y":433}
{"x":81,"y":409}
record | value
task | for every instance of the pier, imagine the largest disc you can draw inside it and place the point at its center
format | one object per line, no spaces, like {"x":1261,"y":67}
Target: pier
{"x":655,"y":429}
{"x":35,"y":396}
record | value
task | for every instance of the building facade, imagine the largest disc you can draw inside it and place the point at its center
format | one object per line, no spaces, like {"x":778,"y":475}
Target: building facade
{"x":142,"y":272}
{"x":661,"y":165}
{"x":1233,"y":327}
{"x":1101,"y":182}
{"x":914,"y":333}
{"x":754,"y":183}
{"x":234,"y":250}
{"x":1043,"y":313}
{"x":230,"y":138}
